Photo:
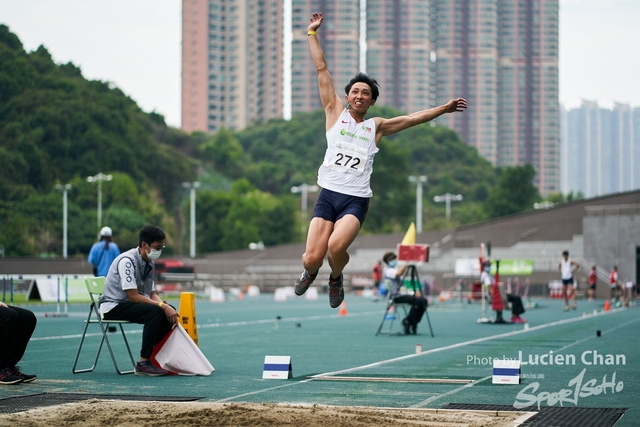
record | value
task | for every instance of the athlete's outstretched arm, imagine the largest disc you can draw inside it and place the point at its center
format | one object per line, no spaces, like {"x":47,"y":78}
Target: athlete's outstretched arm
{"x":400,"y":123}
{"x":330,"y":101}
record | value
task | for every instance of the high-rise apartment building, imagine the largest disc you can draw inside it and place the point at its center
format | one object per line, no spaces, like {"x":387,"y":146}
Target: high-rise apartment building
{"x":465,"y":40}
{"x":529,"y":110}
{"x":232,"y":70}
{"x":339,"y":37}
{"x":232,"y":58}
{"x":501,"y":55}
{"x":398,"y":52}
{"x":506,"y":62}
{"x":600,"y":149}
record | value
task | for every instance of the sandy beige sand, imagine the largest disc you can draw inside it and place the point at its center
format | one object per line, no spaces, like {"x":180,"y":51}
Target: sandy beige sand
{"x":127,"y":413}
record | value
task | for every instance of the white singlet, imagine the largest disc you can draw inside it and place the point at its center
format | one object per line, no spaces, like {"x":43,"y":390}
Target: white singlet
{"x":348,"y":161}
{"x":566,"y":269}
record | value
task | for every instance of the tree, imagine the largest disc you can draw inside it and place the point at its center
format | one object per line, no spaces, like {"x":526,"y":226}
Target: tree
{"x":225,"y":152}
{"x":574,"y":196}
{"x":514,"y":193}
{"x":57,"y":127}
{"x":211,"y":209}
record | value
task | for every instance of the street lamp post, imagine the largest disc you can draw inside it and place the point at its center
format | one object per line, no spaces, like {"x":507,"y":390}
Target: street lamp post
{"x":99,"y":178}
{"x":448,"y":198}
{"x":192,"y":215}
{"x":64,"y":188}
{"x":418,"y":180}
{"x":305,"y":189}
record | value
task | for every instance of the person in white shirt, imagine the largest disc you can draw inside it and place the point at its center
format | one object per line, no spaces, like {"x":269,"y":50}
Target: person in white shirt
{"x":345,"y":173}
{"x":392,"y":275}
{"x":567,"y":268}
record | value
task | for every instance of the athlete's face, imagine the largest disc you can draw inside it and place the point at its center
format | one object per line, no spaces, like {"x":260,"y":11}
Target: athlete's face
{"x":359,"y":98}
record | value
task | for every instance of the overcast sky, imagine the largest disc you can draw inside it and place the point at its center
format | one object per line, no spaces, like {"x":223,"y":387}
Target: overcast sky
{"x":136,"y":45}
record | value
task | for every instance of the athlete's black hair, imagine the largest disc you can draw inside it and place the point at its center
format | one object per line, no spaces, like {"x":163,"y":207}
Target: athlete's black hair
{"x":364,"y":78}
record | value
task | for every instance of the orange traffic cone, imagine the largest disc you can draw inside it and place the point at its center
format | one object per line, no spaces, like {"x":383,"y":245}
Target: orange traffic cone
{"x":607,"y":305}
{"x":343,"y":309}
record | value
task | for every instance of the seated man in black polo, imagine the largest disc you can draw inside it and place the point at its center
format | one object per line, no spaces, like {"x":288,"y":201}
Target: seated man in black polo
{"x":392,"y":275}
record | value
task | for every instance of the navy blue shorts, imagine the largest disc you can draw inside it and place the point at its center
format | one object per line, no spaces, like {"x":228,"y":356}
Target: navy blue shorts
{"x":566,"y":282}
{"x":332,"y":206}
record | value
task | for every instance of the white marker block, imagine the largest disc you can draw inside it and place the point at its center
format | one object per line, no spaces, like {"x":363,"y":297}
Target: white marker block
{"x":216,"y":295}
{"x":280,"y":294}
{"x":277,"y":368}
{"x":311,"y":294}
{"x":253,"y":291}
{"x":506,"y":371}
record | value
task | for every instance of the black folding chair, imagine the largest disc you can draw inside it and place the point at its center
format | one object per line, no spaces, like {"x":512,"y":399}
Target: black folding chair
{"x":391,"y":315}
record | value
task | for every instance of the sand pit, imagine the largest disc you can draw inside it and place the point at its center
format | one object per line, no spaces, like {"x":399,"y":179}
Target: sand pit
{"x":96,"y":412}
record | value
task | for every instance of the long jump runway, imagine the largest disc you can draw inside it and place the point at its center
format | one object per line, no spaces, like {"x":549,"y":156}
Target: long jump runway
{"x":338,"y":360}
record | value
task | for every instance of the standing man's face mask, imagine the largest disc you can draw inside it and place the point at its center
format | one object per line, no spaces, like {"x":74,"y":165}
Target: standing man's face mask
{"x":393,"y":263}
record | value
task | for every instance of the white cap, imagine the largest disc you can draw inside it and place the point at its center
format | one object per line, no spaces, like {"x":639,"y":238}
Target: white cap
{"x":106,"y":231}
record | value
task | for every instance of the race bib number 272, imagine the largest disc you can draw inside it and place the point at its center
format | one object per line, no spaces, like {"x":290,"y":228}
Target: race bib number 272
{"x":348,"y":157}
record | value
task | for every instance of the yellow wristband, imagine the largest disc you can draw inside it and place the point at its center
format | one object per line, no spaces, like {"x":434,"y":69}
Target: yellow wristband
{"x":311,"y":33}
{"x":160,"y":304}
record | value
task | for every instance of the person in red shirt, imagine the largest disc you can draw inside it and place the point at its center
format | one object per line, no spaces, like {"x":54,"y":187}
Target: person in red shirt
{"x":376,"y":275}
{"x":593,"y":278}
{"x":613,"y":283}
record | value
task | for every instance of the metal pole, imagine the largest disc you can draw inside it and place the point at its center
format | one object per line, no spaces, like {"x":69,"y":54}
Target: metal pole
{"x":192,"y":219}
{"x":447,"y":199}
{"x":447,"y":203}
{"x":99,"y":178}
{"x":419,"y":208}
{"x":418,"y":180}
{"x":99,"y":204}
{"x":303,"y":210}
{"x":192,"y":215}
{"x":64,"y":223}
{"x":304,"y":189}
{"x":65,"y":217}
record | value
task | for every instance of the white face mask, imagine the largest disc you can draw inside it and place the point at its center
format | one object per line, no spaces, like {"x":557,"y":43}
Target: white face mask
{"x":154,"y":254}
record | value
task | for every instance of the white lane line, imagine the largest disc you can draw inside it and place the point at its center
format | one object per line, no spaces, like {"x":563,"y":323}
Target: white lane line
{"x":450,"y":392}
{"x":219,"y":325}
{"x":431,"y":399}
{"x":462,"y":344}
{"x":595,"y":337}
{"x":288,"y":319}
{"x":227,"y":399}
{"x":92,"y":334}
{"x":449,"y":347}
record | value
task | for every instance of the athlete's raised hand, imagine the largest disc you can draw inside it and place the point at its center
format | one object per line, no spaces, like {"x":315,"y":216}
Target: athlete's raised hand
{"x":315,"y":21}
